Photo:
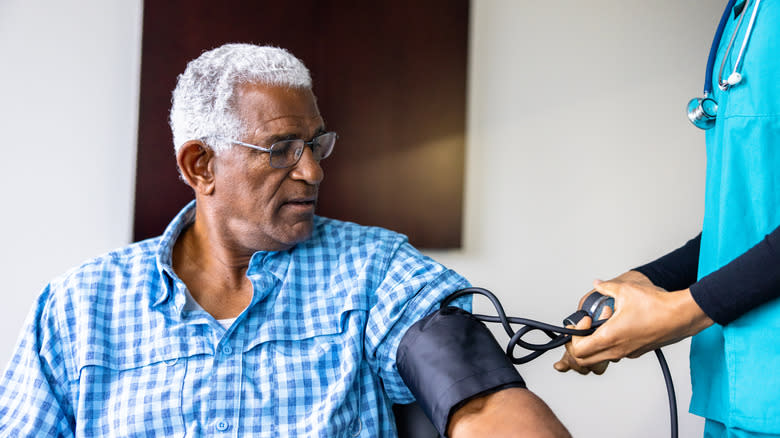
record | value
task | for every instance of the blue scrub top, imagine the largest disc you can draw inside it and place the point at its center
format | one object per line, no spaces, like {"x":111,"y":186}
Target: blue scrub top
{"x":735,"y":370}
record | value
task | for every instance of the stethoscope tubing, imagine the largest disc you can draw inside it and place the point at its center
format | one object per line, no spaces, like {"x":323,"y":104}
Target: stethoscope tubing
{"x":735,"y":77}
{"x":714,"y":47}
{"x":702,"y":111}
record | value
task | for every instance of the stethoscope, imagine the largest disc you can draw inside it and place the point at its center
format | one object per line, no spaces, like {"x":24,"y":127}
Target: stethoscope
{"x":702,"y":111}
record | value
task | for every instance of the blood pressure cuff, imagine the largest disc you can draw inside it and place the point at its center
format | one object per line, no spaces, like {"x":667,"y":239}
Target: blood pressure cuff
{"x":449,"y":358}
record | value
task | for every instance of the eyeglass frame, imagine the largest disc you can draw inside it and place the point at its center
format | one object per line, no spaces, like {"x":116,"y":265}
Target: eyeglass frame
{"x":270,"y":149}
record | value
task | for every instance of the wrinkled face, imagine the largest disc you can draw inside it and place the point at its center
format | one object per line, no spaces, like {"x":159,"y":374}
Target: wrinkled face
{"x":259,"y":207}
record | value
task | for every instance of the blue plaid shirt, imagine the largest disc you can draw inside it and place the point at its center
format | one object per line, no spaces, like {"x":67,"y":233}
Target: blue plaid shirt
{"x":109,"y":349}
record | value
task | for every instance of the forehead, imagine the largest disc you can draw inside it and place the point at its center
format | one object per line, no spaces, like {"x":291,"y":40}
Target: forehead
{"x":269,"y":110}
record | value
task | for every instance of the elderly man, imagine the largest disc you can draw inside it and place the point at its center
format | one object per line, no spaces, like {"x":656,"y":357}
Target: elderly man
{"x":251,"y":316}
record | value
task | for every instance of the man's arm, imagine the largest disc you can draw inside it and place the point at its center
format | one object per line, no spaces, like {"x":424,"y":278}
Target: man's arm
{"x":509,"y":412}
{"x":466,"y":384}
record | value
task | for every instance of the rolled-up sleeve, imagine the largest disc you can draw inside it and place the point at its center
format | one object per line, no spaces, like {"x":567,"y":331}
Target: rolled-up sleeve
{"x":410,"y":287}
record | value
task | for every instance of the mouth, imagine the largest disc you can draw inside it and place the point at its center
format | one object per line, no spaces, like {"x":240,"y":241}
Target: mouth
{"x":301,"y":204}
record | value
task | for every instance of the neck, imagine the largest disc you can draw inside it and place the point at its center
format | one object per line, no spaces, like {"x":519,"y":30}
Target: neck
{"x":213,"y":271}
{"x":212,"y":252}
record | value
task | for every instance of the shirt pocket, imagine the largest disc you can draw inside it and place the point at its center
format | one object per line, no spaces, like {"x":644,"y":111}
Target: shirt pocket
{"x":130,"y":400}
{"x":316,"y":379}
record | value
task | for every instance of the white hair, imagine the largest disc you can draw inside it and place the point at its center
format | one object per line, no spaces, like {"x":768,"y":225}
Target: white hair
{"x":204,"y":97}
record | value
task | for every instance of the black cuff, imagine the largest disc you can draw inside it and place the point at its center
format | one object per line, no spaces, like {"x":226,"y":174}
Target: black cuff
{"x":450,"y":357}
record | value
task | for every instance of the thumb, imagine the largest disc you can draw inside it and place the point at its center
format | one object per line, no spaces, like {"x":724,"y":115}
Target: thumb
{"x":583,"y":347}
{"x":610,"y":288}
{"x":606,"y":312}
{"x":584,"y":323}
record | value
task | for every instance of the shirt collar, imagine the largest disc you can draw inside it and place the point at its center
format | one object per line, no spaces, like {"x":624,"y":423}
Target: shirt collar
{"x":275,"y":262}
{"x":183,"y":219}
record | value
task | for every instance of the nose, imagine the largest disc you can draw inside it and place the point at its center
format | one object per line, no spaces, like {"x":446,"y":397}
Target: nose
{"x":307,"y":168}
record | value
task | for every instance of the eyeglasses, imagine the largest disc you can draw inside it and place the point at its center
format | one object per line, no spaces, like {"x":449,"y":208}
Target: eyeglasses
{"x":286,"y":153}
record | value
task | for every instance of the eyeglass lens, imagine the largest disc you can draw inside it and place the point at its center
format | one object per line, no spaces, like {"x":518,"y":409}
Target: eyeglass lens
{"x":286,"y":153}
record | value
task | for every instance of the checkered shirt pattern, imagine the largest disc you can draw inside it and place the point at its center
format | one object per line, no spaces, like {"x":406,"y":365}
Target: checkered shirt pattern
{"x":109,"y":349}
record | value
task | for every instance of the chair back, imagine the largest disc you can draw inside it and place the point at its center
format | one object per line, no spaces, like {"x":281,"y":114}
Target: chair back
{"x":412,"y":422}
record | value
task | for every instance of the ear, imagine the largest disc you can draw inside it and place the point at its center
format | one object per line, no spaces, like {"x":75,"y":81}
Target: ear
{"x":196,"y":164}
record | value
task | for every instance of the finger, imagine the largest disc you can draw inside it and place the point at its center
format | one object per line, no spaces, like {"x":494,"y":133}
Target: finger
{"x":583,"y":324}
{"x":596,"y":358}
{"x":599,"y":368}
{"x":606,"y":312}
{"x":591,"y":349}
{"x":567,"y":361}
{"x":573,"y":360}
{"x":606,"y":287}
{"x":594,"y":348}
{"x":562,"y":365}
{"x":601,"y":348}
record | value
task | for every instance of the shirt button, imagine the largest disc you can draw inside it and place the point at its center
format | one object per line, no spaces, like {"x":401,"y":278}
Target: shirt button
{"x":227,"y":350}
{"x":357,"y":426}
{"x":222,"y":425}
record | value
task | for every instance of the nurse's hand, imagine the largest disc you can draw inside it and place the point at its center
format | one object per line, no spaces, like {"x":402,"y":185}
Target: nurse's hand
{"x":646,"y":318}
{"x":567,"y":362}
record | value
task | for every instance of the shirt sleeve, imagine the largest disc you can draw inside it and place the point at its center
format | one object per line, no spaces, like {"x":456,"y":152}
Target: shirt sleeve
{"x":411,"y":287}
{"x":745,"y":283}
{"x":32,"y":401}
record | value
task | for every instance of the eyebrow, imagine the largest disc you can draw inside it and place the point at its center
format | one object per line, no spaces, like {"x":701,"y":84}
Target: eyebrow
{"x":281,"y":137}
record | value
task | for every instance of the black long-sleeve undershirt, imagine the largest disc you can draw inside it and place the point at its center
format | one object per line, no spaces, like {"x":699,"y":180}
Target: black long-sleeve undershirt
{"x":745,"y":283}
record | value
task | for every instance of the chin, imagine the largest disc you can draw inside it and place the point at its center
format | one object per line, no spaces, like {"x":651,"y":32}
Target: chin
{"x":300,"y":232}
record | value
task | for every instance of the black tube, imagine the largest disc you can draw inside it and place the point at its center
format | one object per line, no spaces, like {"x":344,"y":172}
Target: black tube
{"x":669,"y":391}
{"x":558,"y":336}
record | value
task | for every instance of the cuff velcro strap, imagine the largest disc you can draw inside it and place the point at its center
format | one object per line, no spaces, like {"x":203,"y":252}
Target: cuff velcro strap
{"x":450,"y":357}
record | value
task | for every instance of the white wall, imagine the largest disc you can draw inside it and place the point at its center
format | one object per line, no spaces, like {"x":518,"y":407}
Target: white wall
{"x":69,"y":87}
{"x":581,"y":164}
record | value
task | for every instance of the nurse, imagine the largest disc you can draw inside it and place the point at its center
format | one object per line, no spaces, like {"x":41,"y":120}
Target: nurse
{"x":724,"y":283}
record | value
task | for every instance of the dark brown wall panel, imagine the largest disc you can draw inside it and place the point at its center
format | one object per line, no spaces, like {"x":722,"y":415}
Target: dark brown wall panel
{"x":390,"y":78}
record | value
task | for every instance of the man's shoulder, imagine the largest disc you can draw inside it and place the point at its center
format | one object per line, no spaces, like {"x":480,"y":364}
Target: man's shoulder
{"x":334,"y":231}
{"x":132,"y":259}
{"x":97,"y":306}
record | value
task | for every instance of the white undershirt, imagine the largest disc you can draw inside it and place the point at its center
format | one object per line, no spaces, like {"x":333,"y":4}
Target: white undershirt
{"x":191,"y":305}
